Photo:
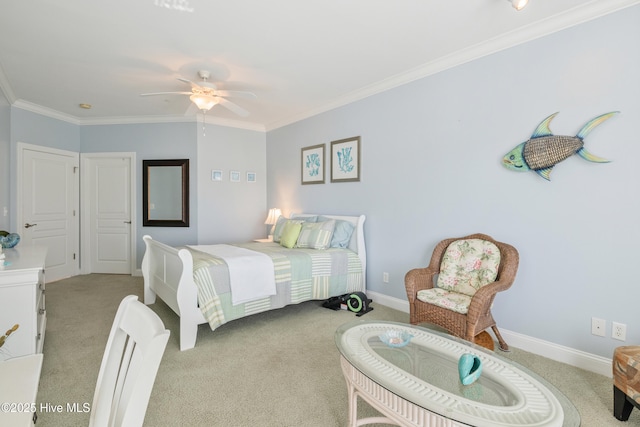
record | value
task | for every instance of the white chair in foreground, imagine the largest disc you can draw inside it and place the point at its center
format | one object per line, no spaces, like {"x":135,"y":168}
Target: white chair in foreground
{"x":131,"y":359}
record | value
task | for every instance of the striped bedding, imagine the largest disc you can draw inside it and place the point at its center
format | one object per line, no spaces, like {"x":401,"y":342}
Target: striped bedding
{"x":301,"y":275}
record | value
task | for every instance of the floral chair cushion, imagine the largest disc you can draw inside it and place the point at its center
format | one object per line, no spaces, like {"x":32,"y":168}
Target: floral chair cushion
{"x":445,"y":299}
{"x":467,"y":265}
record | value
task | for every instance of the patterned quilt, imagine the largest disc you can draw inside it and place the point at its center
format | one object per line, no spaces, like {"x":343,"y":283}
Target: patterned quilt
{"x":301,"y":275}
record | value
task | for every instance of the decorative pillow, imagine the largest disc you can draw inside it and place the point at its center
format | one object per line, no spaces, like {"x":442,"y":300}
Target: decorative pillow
{"x":468,"y":265}
{"x":342,"y":232}
{"x":277,"y":229}
{"x":290,"y":232}
{"x":313,"y":218}
{"x":316,"y":235}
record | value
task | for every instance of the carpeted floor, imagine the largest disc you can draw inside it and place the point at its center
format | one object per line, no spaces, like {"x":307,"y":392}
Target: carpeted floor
{"x":279,"y":368}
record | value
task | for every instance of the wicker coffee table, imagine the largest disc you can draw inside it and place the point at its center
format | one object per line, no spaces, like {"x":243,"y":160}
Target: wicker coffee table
{"x":418,"y":384}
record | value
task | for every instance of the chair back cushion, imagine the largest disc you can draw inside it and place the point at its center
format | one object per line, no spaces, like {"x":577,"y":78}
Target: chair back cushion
{"x":467,"y":265}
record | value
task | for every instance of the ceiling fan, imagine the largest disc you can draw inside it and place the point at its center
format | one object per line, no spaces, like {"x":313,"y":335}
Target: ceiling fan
{"x":205,"y":95}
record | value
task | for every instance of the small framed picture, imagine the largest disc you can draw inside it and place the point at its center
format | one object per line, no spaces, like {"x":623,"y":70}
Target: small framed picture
{"x":312,"y":164}
{"x":251,"y":177}
{"x":216,"y":175}
{"x":345,"y":160}
{"x":234,"y":176}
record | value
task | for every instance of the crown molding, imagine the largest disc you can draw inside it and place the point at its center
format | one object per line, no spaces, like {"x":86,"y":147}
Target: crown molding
{"x":44,"y":111}
{"x":576,"y":16}
{"x":172,"y":119}
{"x":96,"y":121}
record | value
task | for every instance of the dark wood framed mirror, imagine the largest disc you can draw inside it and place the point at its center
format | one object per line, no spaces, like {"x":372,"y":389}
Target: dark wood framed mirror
{"x":165,"y":193}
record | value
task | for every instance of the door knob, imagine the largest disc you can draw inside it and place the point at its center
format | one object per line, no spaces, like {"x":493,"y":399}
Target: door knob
{"x":27,"y":225}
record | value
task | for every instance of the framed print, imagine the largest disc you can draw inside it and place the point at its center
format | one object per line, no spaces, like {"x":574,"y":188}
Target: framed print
{"x":345,"y":160}
{"x":234,"y":176}
{"x":216,"y":175}
{"x":251,"y":177}
{"x":312,"y":164}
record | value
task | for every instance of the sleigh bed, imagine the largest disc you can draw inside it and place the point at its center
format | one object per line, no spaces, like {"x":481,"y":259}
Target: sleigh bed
{"x":200,"y":283}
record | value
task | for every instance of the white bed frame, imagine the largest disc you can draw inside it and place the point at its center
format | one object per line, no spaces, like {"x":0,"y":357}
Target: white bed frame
{"x":168,"y":274}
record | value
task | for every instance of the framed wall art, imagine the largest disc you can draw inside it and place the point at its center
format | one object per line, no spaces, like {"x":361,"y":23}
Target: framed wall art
{"x":312,"y":164}
{"x":345,"y":160}
{"x":251,"y":177}
{"x":234,"y":176}
{"x":216,"y":175}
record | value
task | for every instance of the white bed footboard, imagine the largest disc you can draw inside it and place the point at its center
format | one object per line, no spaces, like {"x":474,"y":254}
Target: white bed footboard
{"x":168,"y":273}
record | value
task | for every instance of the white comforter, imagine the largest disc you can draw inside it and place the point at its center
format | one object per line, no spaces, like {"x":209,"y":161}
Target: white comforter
{"x":251,"y":273}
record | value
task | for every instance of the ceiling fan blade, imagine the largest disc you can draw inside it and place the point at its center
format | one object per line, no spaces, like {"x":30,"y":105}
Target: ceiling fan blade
{"x":193,"y":84}
{"x":236,"y":94}
{"x":192,"y":110}
{"x":234,"y":107}
{"x":166,"y":93}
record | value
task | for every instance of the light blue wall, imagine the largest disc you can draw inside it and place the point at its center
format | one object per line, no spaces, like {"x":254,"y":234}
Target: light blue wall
{"x":231,"y":211}
{"x":5,"y":143}
{"x":151,"y":142}
{"x":431,"y":153}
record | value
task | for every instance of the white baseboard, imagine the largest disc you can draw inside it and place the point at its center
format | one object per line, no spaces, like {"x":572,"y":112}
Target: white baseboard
{"x":570,"y":356}
{"x":587,"y":361}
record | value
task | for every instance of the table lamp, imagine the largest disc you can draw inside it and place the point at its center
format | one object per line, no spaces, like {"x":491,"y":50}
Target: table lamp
{"x":272,"y":218}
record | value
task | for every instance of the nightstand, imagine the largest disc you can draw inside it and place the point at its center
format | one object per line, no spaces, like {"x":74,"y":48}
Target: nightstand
{"x":267,"y":240}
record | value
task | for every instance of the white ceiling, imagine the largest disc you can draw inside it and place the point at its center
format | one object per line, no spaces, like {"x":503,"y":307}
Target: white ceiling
{"x":300,"y":57}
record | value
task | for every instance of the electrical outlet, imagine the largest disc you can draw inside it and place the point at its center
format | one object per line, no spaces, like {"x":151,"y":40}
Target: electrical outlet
{"x":598,"y":326}
{"x":385,"y":277}
{"x":619,"y":331}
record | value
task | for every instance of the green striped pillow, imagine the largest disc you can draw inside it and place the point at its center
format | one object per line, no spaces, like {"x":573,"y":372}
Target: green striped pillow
{"x":316,"y":235}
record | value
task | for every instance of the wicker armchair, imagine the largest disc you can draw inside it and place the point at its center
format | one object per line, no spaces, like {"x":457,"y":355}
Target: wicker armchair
{"x":478,"y":311}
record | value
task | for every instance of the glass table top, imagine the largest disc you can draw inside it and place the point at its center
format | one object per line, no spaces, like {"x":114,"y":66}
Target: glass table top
{"x":425,"y":372}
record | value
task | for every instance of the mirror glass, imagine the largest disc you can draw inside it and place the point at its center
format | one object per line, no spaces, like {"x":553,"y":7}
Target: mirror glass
{"x":165,"y":193}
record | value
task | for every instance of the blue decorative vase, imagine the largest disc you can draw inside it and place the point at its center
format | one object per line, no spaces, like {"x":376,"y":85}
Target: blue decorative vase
{"x":10,"y":240}
{"x":469,"y":368}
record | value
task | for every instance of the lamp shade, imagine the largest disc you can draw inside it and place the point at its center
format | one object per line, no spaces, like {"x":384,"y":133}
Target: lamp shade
{"x":272,"y":217}
{"x":519,"y":4}
{"x":203,"y":101}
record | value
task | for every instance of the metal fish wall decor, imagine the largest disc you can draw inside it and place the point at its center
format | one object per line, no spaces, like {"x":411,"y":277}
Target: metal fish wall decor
{"x":544,"y":150}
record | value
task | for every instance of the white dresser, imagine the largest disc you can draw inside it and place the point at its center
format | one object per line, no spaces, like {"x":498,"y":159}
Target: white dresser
{"x":22,"y":287}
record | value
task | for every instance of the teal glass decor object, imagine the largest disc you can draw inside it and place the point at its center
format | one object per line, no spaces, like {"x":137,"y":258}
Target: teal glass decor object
{"x":9,"y":240}
{"x":469,"y":368}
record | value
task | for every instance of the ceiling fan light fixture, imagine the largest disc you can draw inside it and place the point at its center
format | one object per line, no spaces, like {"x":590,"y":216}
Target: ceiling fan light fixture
{"x":203,"y":101}
{"x":518,"y":4}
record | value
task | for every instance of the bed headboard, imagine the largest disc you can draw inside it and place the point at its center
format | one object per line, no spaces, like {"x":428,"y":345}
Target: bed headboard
{"x":356,"y":243}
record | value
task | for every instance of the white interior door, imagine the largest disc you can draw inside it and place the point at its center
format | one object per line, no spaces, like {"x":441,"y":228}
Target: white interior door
{"x":48,"y":198}
{"x":108,"y":202}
